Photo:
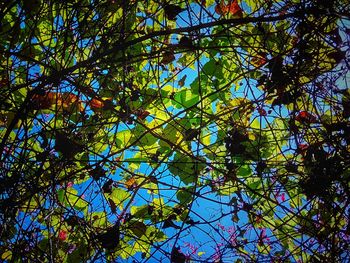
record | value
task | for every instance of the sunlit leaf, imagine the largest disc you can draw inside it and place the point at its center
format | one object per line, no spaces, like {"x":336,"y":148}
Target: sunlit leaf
{"x":119,"y":197}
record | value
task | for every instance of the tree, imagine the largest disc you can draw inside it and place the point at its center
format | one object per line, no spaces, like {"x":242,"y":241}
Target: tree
{"x":193,"y":131}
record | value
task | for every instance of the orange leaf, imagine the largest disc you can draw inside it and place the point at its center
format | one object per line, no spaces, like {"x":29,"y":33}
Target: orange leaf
{"x":232,"y":7}
{"x":96,"y":104}
{"x":70,"y":102}
{"x":43,"y":102}
{"x":131,"y":183}
{"x":67,"y":101}
{"x":68,"y":98}
{"x":100,"y":104}
{"x":221,"y":9}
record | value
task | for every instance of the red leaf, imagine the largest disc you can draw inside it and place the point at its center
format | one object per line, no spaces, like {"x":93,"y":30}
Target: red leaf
{"x":259,"y":59}
{"x":62,"y":235}
{"x":302,"y":148}
{"x":305,"y":117}
{"x":234,"y":8}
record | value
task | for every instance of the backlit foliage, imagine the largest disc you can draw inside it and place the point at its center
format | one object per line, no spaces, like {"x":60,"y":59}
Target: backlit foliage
{"x":189,"y":131}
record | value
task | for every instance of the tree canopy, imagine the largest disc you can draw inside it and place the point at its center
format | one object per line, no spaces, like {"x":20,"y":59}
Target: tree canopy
{"x":181,"y":131}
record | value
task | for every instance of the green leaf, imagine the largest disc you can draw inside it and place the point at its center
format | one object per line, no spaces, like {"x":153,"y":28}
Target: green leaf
{"x":244,"y":171}
{"x":99,"y":219}
{"x":185,"y":98}
{"x":119,"y":196}
{"x":184,"y":196}
{"x":70,"y":197}
{"x":138,"y":228}
{"x":213,"y":68}
{"x":183,"y":167}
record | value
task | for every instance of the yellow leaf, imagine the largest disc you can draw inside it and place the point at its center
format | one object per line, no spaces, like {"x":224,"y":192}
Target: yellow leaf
{"x":7,"y":255}
{"x":158,"y":203}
